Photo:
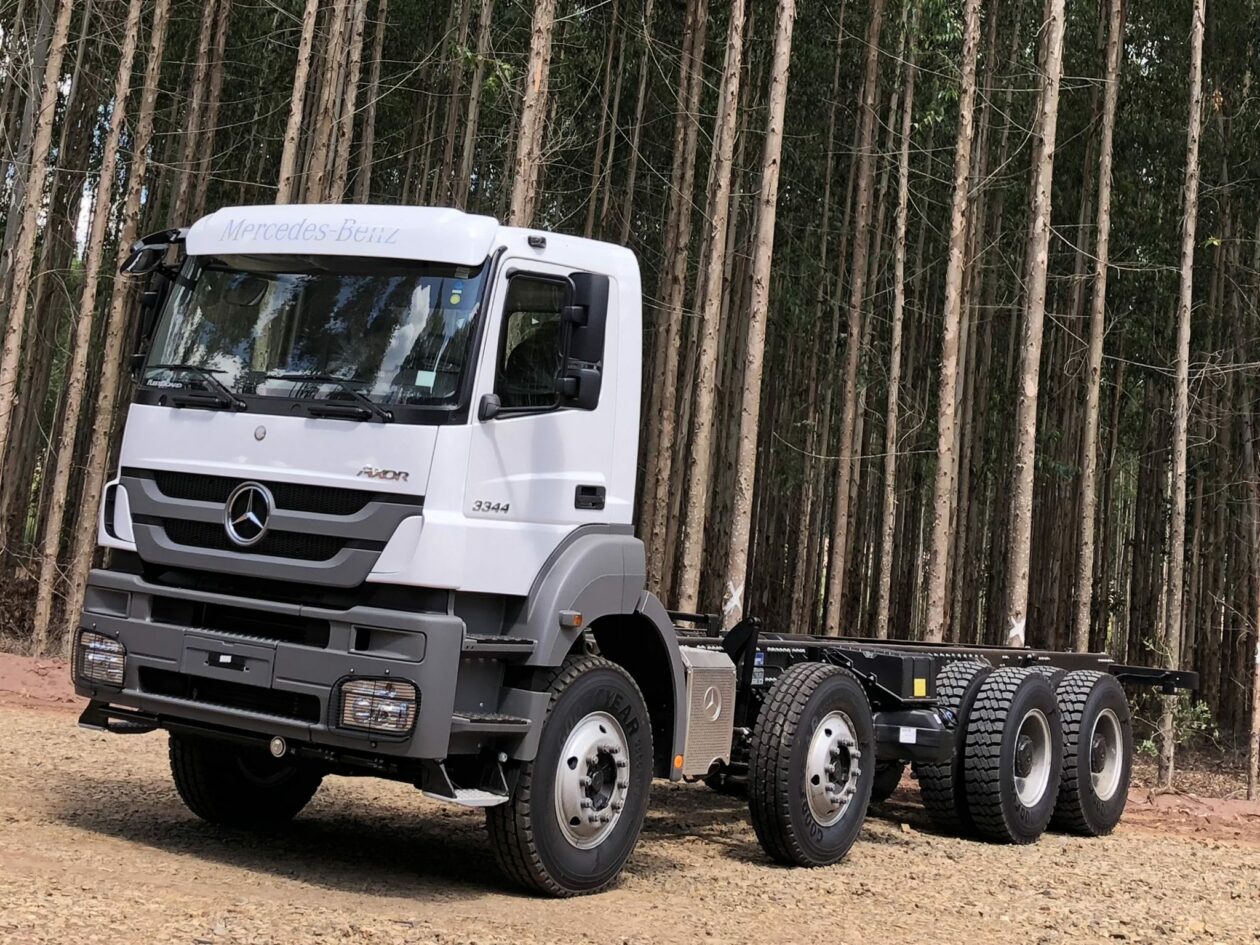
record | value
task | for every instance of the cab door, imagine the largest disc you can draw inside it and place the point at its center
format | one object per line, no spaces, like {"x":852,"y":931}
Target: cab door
{"x":540,"y":456}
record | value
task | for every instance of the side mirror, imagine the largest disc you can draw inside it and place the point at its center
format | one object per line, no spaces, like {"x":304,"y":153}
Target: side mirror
{"x":489,"y":407}
{"x":148,"y":252}
{"x":585,"y":321}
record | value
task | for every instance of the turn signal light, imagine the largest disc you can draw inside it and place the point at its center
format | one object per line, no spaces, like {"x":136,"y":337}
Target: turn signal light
{"x":380,"y":706}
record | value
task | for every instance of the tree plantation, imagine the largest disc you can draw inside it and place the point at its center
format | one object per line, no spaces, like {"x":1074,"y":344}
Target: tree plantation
{"x":952,"y":308}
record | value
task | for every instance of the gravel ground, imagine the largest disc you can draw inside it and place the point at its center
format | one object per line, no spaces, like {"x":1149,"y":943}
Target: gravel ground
{"x":96,"y":847}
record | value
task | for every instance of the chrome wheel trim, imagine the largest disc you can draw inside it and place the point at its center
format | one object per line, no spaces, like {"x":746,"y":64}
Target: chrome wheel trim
{"x":1033,"y":755}
{"x":1105,"y":755}
{"x":592,"y":780}
{"x":832,"y":768}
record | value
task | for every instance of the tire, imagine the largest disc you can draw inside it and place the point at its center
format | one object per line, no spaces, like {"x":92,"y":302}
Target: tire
{"x":1053,"y":674}
{"x":805,"y":722}
{"x":887,"y":778}
{"x":941,"y":786}
{"x":1097,"y":753}
{"x":595,"y":706}
{"x":1013,"y":727}
{"x":238,"y":786}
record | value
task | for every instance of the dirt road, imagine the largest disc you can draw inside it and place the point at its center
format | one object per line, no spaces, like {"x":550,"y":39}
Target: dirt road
{"x":96,"y":847}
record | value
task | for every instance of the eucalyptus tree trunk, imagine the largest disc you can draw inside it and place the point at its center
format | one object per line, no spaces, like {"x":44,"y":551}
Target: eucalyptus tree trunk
{"x":77,"y":370}
{"x":636,"y":133}
{"x":463,"y":178}
{"x":297,"y":105}
{"x":662,"y":390}
{"x":84,"y":544}
{"x":533,"y":117}
{"x":444,"y":189}
{"x":320,"y":158}
{"x":846,"y":459}
{"x":1181,"y":392}
{"x":191,"y":154}
{"x":363,"y":181}
{"x":889,"y":516}
{"x":701,"y":457}
{"x":1034,"y":320}
{"x":1097,"y":324}
{"x":606,"y":172}
{"x":759,"y":311}
{"x":210,"y":119}
{"x":23,"y":250}
{"x":601,"y":136}
{"x":345,"y":123}
{"x":942,"y":500}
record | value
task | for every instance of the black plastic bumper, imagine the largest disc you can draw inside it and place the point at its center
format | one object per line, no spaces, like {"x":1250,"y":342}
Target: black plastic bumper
{"x":915,"y":735}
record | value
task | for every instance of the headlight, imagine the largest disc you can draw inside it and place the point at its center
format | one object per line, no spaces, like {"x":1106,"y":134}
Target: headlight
{"x":100,"y":659}
{"x":382,"y":706}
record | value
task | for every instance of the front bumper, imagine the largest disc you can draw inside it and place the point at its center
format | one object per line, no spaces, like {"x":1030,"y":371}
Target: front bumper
{"x":281,"y":677}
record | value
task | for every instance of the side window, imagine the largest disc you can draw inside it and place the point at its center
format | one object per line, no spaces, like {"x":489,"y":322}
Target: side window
{"x":531,"y":349}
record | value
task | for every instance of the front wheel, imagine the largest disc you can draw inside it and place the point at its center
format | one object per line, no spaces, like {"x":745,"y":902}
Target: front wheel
{"x":813,"y":762}
{"x":578,"y":807}
{"x":239,"y":786}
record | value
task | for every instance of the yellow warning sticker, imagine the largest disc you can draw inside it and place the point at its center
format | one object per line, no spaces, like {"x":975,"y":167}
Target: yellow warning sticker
{"x":920,"y":687}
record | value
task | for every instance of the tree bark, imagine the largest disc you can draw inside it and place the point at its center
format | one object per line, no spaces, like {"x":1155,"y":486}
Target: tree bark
{"x":1097,"y":324}
{"x":763,"y":256}
{"x":192,"y":119}
{"x":1181,"y":392}
{"x":463,"y":179}
{"x":1034,"y":321}
{"x":445,"y":188}
{"x":84,"y":544}
{"x":889,"y":517}
{"x":959,"y":218}
{"x":847,"y":459}
{"x":210,"y":120}
{"x":23,"y":250}
{"x":701,"y":457}
{"x":363,"y":181}
{"x":636,"y":134}
{"x":77,"y":370}
{"x":293,"y":127}
{"x":533,"y":116}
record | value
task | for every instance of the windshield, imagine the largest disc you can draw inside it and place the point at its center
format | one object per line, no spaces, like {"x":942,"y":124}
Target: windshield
{"x":326,"y":327}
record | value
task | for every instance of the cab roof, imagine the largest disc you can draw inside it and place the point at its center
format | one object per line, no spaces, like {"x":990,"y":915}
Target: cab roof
{"x":421,"y":233}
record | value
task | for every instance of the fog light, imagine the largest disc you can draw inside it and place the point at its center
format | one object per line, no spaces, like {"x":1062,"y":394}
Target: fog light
{"x":384,"y":706}
{"x":100,"y":659}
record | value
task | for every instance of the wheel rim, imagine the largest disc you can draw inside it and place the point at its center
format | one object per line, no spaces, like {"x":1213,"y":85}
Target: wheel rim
{"x":1032,"y":758}
{"x":832,"y":768}
{"x":1105,"y":755}
{"x":592,"y":780}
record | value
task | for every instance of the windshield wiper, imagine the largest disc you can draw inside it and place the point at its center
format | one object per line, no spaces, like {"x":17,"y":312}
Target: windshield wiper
{"x":223,"y":396}
{"x":367,"y":403}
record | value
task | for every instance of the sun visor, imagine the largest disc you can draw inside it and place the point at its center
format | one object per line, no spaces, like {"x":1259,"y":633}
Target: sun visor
{"x":420,"y":233}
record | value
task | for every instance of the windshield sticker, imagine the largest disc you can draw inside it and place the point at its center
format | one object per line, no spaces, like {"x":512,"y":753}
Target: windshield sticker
{"x":349,"y":231}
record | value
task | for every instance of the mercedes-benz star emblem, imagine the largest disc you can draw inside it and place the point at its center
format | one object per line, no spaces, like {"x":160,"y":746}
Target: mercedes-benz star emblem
{"x":712,"y":703}
{"x":247,"y":512}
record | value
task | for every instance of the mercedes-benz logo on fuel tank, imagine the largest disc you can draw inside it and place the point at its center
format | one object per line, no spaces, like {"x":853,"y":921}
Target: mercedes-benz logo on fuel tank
{"x":247,"y":513}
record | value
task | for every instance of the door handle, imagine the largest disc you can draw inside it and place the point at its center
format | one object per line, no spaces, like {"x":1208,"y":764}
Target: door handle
{"x":589,"y":498}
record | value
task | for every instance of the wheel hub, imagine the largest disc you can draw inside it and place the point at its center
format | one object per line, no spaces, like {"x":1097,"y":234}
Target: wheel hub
{"x":832,"y":768}
{"x":1105,"y":755}
{"x":592,"y":780}
{"x":1033,"y":758}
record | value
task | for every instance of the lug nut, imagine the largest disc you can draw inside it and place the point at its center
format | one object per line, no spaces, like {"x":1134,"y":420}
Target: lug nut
{"x":623,"y":785}
{"x":585,"y":781}
{"x":616,"y":805}
{"x":585,"y":803}
{"x":621,"y":764}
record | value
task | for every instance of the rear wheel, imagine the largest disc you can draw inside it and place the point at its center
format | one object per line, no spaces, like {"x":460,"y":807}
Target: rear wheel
{"x":1097,"y":753}
{"x":1013,"y":755}
{"x":812,"y":765}
{"x":941,"y":786}
{"x":239,"y":786}
{"x":575,"y":816}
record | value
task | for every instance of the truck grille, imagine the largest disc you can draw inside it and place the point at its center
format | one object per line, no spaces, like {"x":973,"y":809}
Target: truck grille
{"x":230,"y":695}
{"x":320,"y":500}
{"x":296,"y":545}
{"x":241,"y":621}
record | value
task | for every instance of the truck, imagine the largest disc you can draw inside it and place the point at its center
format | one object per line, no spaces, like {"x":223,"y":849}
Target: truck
{"x":373,"y":516}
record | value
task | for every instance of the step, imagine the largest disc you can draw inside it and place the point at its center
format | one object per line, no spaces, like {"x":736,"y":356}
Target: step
{"x":495,"y":647}
{"x":489,"y":723}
